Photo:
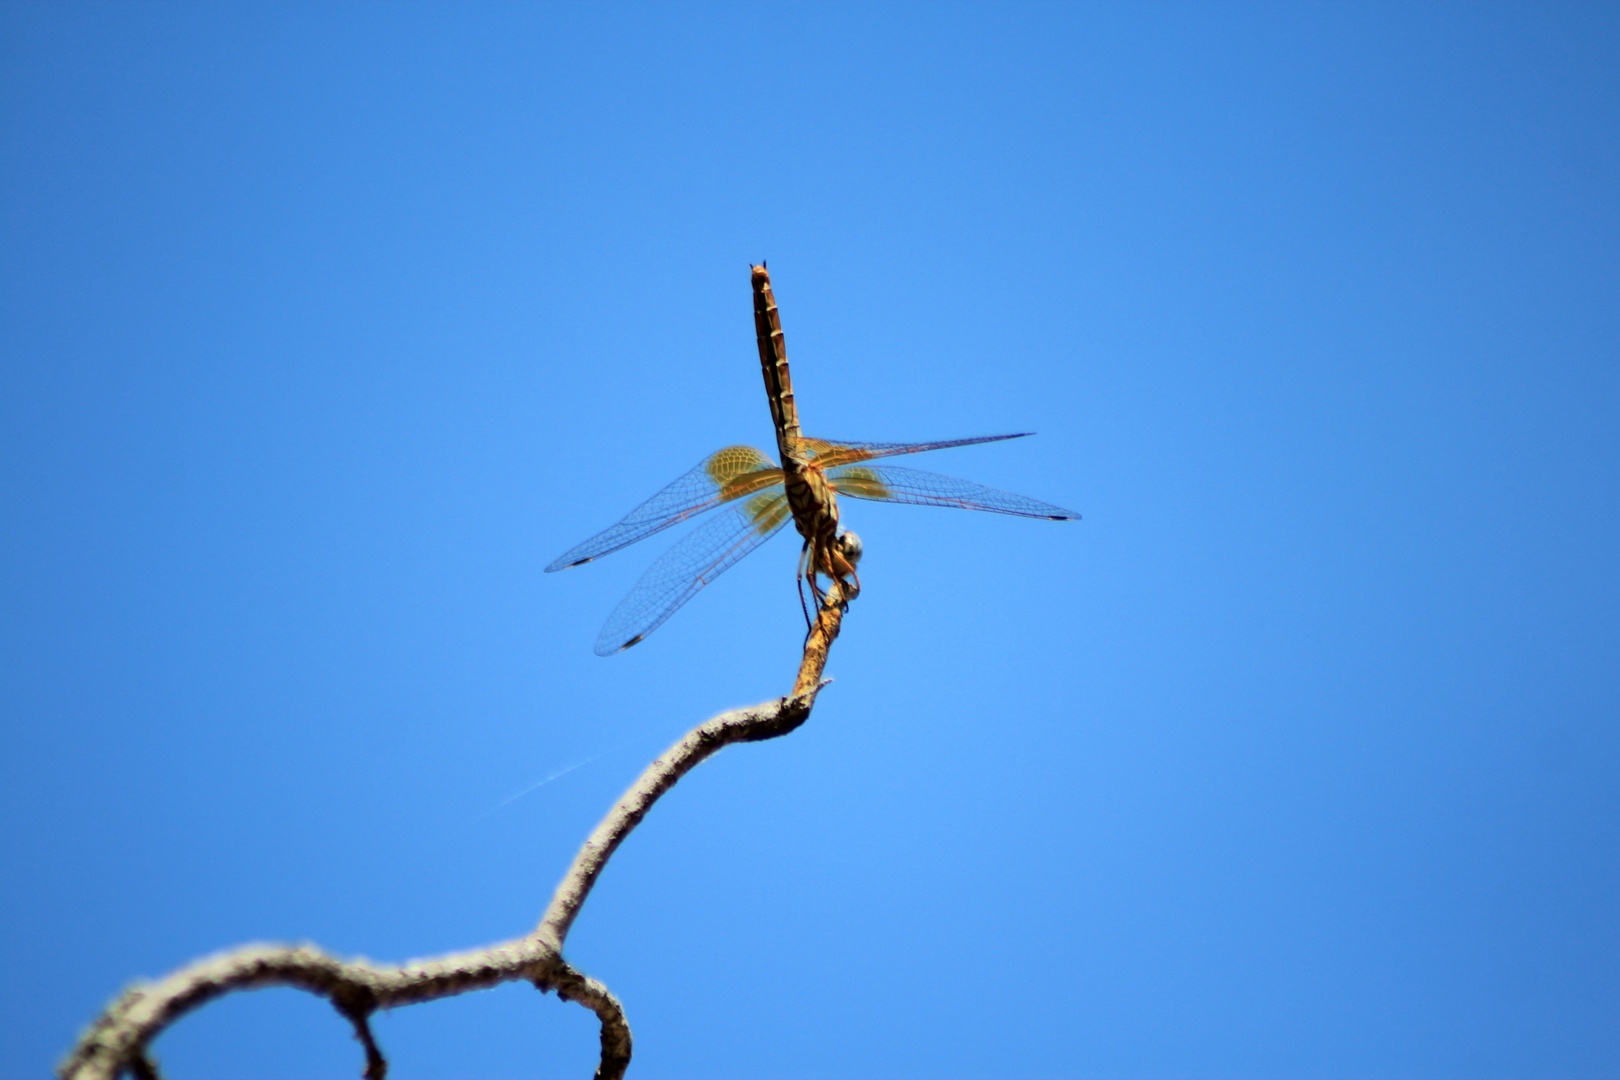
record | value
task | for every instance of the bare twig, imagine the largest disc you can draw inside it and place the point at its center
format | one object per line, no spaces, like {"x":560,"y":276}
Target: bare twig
{"x":117,"y":1041}
{"x":740,"y":725}
{"x":572,"y":986}
{"x":356,"y":987}
{"x":360,"y":1016}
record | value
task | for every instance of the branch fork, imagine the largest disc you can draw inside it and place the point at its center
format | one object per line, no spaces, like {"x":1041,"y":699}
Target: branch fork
{"x":118,"y":1042}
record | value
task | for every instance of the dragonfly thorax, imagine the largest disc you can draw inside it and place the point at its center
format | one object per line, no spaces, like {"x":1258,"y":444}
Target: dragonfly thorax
{"x":814,"y":506}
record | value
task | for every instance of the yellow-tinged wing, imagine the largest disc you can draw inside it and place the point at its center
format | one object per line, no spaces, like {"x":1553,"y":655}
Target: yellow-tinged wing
{"x":701,"y":556}
{"x":890,"y":483}
{"x":829,"y":453}
{"x":725,"y":475}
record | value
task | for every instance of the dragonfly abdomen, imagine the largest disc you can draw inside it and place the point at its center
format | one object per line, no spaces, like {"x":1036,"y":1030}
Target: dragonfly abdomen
{"x":774,"y":363}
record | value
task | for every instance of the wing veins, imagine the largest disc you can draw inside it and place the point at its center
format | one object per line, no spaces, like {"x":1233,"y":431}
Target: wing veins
{"x":687,"y":496}
{"x":681,"y":572}
{"x":891,"y":483}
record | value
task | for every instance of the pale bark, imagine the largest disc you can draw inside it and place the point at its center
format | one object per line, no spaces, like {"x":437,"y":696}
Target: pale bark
{"x":118,"y":1041}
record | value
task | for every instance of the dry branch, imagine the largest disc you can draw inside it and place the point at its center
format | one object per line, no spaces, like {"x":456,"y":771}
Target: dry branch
{"x":118,"y":1041}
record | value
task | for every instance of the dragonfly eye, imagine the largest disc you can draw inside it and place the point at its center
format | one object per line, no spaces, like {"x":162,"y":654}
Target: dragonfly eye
{"x":849,"y":546}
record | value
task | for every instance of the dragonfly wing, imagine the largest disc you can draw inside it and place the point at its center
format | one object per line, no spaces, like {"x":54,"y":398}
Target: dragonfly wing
{"x":890,"y":483}
{"x":721,"y":477}
{"x":703,"y":555}
{"x":829,"y":453}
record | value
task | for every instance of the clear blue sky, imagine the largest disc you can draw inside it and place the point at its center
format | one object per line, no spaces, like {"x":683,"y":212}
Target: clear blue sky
{"x":323,"y":329}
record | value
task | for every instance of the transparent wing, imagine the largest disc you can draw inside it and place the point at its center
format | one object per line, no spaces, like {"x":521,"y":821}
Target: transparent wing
{"x":703,"y":555}
{"x":724,"y":475}
{"x":829,"y":453}
{"x":890,"y":483}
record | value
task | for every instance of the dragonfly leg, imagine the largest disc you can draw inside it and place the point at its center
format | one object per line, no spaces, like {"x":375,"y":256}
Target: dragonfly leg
{"x":798,"y":580}
{"x":855,"y":578}
{"x":841,"y":560}
{"x":812,"y":568}
{"x":817,"y":560}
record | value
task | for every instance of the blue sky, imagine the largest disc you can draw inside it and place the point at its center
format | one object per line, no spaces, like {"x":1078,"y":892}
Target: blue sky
{"x":323,"y":329}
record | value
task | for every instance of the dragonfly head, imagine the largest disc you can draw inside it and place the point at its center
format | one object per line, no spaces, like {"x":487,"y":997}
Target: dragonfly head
{"x":849,"y":546}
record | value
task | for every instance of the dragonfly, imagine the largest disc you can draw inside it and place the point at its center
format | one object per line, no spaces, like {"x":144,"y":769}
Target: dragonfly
{"x":757,"y":497}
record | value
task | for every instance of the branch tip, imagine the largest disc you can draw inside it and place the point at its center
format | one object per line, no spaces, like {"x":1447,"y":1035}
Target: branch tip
{"x":376,"y":1064}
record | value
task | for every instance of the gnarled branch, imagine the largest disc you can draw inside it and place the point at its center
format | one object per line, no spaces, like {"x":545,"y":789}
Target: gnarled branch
{"x":118,"y":1041}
